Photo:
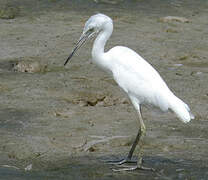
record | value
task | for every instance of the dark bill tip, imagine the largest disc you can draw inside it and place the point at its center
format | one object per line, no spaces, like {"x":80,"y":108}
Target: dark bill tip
{"x":70,"y":56}
{"x":81,"y":41}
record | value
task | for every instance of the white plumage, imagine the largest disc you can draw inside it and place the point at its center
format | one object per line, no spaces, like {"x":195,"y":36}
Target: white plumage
{"x":134,"y":75}
{"x":140,"y":80}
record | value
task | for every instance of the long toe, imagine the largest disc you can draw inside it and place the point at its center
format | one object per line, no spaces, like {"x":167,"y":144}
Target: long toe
{"x":123,"y":161}
{"x":131,"y":168}
{"x":145,"y":168}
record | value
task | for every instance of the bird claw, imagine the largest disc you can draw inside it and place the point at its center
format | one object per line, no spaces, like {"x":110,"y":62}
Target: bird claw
{"x":123,"y":165}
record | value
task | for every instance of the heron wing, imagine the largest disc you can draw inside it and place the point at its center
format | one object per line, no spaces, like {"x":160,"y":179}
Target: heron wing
{"x":138,"y":78}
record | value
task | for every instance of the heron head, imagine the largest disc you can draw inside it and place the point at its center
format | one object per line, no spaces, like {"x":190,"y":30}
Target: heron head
{"x":93,"y":26}
{"x":96,"y":23}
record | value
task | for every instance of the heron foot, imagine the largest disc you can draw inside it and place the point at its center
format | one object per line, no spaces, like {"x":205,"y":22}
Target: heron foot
{"x":124,"y":165}
{"x":132,"y":168}
{"x":123,"y":161}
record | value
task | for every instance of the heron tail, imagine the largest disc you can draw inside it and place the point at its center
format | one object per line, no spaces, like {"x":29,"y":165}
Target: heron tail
{"x":181,"y":109}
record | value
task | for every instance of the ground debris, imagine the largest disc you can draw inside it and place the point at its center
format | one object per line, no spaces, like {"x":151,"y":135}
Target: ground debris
{"x":8,"y":166}
{"x":93,"y":98}
{"x":179,"y":170}
{"x":108,"y":1}
{"x":171,"y":30}
{"x":8,"y":11}
{"x":90,"y":146}
{"x":174,"y":19}
{"x":184,"y":57}
{"x":65,"y":114}
{"x":28,"y":167}
{"x":29,"y":66}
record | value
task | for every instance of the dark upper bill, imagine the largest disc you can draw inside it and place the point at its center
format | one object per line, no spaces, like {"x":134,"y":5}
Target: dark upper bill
{"x":81,"y":41}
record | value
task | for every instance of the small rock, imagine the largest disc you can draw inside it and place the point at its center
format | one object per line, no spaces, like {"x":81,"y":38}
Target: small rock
{"x":174,"y":18}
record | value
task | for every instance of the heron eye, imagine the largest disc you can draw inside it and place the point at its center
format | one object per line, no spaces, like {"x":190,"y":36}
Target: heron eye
{"x":91,"y":30}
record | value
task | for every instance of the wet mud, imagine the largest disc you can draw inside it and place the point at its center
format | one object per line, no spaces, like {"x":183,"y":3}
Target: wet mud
{"x":61,"y":122}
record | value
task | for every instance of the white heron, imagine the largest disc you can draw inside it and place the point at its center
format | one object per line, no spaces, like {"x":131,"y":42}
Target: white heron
{"x":141,"y":82}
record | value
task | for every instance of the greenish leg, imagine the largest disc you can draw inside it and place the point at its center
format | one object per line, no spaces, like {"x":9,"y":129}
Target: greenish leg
{"x":141,"y":133}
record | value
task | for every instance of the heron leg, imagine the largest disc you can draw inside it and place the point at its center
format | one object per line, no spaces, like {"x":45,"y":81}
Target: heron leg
{"x":135,"y":167}
{"x":138,"y":164}
{"x":128,"y":159}
{"x":141,"y":133}
{"x":124,"y":166}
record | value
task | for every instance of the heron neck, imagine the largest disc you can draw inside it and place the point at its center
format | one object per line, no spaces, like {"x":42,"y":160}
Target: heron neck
{"x":100,"y":41}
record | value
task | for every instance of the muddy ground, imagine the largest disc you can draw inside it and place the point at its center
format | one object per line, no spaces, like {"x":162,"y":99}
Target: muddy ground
{"x":61,"y":122}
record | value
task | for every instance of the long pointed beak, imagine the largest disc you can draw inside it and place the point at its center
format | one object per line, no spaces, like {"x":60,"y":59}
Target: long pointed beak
{"x":79,"y":43}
